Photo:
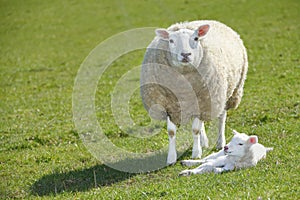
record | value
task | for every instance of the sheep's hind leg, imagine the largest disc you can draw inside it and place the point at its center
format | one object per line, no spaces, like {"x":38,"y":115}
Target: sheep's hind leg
{"x":172,"y":155}
{"x":221,"y":138}
{"x":200,"y":138}
{"x":203,"y":137}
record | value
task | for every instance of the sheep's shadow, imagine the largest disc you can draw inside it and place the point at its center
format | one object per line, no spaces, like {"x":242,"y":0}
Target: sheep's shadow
{"x":96,"y":176}
{"x":93,"y":177}
{"x":78,"y":180}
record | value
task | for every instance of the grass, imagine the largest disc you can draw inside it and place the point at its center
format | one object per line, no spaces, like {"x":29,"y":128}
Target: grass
{"x":43,"y":44}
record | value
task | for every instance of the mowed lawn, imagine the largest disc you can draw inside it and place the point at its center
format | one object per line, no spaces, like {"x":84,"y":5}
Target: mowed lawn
{"x":42,"y":45}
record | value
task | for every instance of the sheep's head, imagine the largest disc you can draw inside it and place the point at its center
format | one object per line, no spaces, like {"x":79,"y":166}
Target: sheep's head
{"x":240,"y":144}
{"x":184,"y":45}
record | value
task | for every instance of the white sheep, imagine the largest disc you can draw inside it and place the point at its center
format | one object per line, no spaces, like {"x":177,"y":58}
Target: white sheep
{"x":242,"y":151}
{"x":193,"y":69}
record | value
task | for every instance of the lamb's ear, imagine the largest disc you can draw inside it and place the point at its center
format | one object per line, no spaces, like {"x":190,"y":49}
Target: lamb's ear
{"x":162,"y":33}
{"x":235,"y":132}
{"x":202,"y":30}
{"x":253,"y":139}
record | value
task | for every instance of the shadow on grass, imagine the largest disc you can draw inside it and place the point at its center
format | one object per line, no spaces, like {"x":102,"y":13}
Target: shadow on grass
{"x":78,"y":180}
{"x":97,"y":176}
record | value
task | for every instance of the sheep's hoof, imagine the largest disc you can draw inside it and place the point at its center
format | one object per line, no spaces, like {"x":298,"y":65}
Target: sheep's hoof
{"x":171,"y":163}
{"x":219,"y":148}
{"x":172,"y":158}
{"x":220,"y":145}
{"x":196,"y":154}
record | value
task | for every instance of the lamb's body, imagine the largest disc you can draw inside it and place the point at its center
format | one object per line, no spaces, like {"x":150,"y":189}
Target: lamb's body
{"x":242,"y":152}
{"x":203,"y":79}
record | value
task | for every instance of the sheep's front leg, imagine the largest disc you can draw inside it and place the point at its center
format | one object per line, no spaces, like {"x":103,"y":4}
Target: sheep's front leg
{"x":200,"y":138}
{"x":221,"y":138}
{"x":172,"y":155}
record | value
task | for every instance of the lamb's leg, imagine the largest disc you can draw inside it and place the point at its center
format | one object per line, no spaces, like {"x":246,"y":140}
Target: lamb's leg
{"x":212,"y":156}
{"x":227,"y":167}
{"x":198,"y":130}
{"x":172,"y":155}
{"x":190,"y":163}
{"x":215,"y":165}
{"x":205,"y":168}
{"x":202,"y":170}
{"x":221,"y":138}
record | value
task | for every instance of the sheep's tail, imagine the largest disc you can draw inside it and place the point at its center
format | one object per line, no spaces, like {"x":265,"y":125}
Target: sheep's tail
{"x":269,"y":149}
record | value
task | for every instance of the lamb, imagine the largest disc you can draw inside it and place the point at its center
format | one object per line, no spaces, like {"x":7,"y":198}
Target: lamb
{"x":193,"y":70}
{"x":243,"y":151}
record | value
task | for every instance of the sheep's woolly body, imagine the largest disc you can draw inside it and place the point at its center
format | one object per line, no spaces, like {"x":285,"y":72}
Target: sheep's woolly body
{"x":204,"y":91}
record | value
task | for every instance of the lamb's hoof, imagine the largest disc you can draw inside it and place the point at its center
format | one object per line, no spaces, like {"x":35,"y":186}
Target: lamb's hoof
{"x":185,"y":163}
{"x":185,"y":173}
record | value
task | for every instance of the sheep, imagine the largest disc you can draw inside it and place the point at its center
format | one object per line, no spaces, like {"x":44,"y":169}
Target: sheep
{"x":193,"y":70}
{"x":242,"y":151}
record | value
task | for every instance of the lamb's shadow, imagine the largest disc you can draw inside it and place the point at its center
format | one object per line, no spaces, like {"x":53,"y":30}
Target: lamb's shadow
{"x":78,"y":180}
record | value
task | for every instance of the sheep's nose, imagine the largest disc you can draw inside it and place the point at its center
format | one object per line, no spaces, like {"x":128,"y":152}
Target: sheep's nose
{"x":225,"y":148}
{"x":185,"y":55}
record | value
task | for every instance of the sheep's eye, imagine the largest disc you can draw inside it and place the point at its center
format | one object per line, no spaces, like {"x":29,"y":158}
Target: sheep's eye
{"x":196,"y":38}
{"x":171,"y":41}
{"x":240,"y":144}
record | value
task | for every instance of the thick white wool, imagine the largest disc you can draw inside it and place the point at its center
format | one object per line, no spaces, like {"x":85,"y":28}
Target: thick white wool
{"x":204,"y":91}
{"x":242,"y":151}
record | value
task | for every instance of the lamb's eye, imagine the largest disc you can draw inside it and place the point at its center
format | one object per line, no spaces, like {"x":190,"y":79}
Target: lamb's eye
{"x":196,"y":38}
{"x":240,"y":144}
{"x":171,"y":41}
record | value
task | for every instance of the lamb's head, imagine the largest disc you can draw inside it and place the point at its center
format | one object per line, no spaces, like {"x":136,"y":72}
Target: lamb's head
{"x":184,"y":45}
{"x":240,"y":144}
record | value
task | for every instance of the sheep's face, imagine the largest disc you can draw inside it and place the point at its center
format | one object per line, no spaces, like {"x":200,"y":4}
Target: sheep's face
{"x":184,"y":45}
{"x":239,"y":144}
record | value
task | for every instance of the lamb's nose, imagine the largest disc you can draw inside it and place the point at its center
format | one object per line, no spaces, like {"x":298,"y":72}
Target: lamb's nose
{"x":185,"y":55}
{"x":225,"y":148}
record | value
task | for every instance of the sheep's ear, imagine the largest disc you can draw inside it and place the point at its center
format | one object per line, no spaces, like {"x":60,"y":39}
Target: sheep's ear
{"x":162,"y":33}
{"x":202,"y":30}
{"x":235,"y":132}
{"x":253,"y":139}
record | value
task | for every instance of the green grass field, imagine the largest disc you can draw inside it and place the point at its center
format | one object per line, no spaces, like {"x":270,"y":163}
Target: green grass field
{"x":42,"y":45}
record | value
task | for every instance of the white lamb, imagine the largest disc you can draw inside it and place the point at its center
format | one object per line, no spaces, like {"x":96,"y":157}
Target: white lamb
{"x":193,"y":70}
{"x":241,"y":152}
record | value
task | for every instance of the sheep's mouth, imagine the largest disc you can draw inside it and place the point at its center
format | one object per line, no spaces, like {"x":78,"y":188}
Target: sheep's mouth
{"x":185,"y":60}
